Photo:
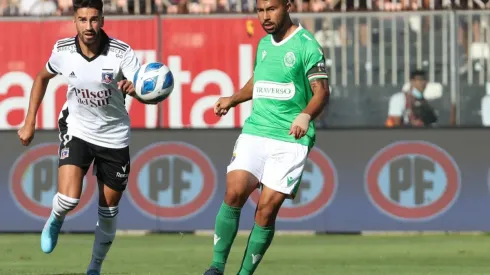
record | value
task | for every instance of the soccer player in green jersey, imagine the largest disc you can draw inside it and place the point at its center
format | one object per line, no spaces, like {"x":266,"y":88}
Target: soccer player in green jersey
{"x":289,"y":89}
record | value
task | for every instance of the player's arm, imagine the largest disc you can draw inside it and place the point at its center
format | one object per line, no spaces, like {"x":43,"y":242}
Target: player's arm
{"x":314,"y":67}
{"x":38,"y":90}
{"x":129,"y":65}
{"x":321,"y":93}
{"x":224,"y":104}
{"x":37,"y":93}
{"x":245,"y":93}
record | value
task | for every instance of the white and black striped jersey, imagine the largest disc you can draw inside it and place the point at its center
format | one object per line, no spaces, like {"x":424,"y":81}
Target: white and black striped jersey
{"x":94,"y":110}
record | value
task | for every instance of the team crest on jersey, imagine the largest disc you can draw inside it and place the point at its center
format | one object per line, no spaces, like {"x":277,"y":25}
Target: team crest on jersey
{"x":107,"y":77}
{"x":289,"y":59}
{"x":65,"y":152}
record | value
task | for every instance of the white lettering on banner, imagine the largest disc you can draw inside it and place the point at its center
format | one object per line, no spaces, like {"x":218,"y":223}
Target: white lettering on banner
{"x":274,"y":90}
{"x":13,"y":103}
{"x":175,"y":100}
{"x":206,"y":102}
{"x":198,"y":82}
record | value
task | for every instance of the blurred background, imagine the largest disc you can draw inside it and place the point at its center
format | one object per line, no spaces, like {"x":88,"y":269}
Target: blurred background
{"x":371,"y":49}
{"x":394,"y":66}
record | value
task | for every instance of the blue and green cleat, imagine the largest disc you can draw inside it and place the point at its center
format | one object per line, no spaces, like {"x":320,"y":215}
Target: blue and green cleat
{"x":49,"y":236}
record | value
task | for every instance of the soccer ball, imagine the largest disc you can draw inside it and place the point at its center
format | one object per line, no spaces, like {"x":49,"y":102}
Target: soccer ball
{"x":153,"y":82}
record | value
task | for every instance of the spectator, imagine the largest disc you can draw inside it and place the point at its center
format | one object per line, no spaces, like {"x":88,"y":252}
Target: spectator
{"x":409,"y":108}
{"x":37,"y":7}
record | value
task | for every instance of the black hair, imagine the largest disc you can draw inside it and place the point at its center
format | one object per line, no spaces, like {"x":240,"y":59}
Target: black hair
{"x":417,"y":73}
{"x":95,"y":4}
{"x":284,"y":2}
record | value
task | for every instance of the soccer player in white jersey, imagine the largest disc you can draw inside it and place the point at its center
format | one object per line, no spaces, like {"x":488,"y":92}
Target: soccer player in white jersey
{"x":94,"y":124}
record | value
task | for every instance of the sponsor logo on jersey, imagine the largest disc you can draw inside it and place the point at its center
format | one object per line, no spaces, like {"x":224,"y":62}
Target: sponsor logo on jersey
{"x":33,"y":182}
{"x":171,"y":181}
{"x":93,"y":98}
{"x":412,"y":180}
{"x":274,"y":90}
{"x":315,"y":192}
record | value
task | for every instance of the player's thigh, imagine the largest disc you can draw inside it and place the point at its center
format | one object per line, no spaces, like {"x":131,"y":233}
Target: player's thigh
{"x":245,"y":169}
{"x":284,"y":167}
{"x":112,"y":168}
{"x":249,"y":155}
{"x":75,"y":158}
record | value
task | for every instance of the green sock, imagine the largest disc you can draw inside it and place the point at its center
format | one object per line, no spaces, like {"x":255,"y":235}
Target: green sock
{"x":258,"y":242}
{"x":225,"y":230}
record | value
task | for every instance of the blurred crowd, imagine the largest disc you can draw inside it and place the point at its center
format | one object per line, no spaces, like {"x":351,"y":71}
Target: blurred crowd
{"x":63,"y":7}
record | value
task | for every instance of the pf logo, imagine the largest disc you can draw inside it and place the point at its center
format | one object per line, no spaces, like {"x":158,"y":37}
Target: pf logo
{"x":171,"y":180}
{"x":34,"y":178}
{"x":316,"y":190}
{"x":412,"y":180}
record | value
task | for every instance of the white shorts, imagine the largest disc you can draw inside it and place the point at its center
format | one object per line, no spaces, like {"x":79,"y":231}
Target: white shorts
{"x":276,"y":164}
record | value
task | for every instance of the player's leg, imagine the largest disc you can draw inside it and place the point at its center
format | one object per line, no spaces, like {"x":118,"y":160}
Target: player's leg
{"x":260,"y":238}
{"x":74,"y":161}
{"x":242,"y":179}
{"x":282,"y":175}
{"x":112,"y":170}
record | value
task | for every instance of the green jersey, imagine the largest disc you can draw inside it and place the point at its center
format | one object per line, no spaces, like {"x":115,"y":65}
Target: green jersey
{"x":282,"y":75}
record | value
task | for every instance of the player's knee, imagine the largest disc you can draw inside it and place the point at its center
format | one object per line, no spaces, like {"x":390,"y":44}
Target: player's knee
{"x":265,"y":214}
{"x":107,"y":219}
{"x":234,"y":198}
{"x":239,"y":186}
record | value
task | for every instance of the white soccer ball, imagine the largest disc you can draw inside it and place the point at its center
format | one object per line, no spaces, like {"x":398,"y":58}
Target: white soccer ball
{"x":153,"y":82}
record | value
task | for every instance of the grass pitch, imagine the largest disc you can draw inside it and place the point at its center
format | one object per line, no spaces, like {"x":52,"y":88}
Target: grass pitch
{"x":295,"y":255}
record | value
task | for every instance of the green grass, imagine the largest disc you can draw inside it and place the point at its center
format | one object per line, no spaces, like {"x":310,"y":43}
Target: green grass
{"x":298,"y":255}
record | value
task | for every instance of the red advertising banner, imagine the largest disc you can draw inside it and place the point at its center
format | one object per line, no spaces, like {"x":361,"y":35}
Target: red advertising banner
{"x":209,"y":58}
{"x":207,"y":62}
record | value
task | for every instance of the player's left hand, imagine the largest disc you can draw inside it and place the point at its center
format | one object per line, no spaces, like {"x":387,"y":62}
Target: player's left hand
{"x":126,"y":87}
{"x":300,"y":125}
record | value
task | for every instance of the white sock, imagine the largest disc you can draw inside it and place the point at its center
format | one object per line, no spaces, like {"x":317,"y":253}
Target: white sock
{"x":105,"y":232}
{"x":62,"y":205}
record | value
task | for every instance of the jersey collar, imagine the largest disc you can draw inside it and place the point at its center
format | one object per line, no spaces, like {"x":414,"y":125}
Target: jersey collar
{"x":103,"y":47}
{"x":282,"y":42}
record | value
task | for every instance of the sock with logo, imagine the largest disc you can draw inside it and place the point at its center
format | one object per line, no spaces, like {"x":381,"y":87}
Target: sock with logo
{"x":105,"y":232}
{"x":258,"y":243}
{"x":226,"y":228}
{"x":62,"y":205}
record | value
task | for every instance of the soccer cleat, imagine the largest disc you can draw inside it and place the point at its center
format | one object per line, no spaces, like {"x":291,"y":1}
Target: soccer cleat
{"x":49,"y":236}
{"x":93,"y":272}
{"x":213,"y":271}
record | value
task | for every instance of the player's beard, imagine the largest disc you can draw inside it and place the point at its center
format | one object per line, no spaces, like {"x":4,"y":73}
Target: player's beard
{"x":279,"y":27}
{"x":90,"y":40}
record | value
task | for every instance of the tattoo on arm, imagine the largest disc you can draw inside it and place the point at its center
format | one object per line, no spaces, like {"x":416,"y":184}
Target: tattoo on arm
{"x":319,"y":83}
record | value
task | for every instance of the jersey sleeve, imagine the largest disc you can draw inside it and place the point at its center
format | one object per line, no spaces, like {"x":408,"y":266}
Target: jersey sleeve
{"x":53,"y":66}
{"x":130,"y":64}
{"x":314,"y":61}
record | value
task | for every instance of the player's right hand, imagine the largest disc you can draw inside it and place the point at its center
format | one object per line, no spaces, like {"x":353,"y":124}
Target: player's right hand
{"x":222,"y":106}
{"x":26,"y":134}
